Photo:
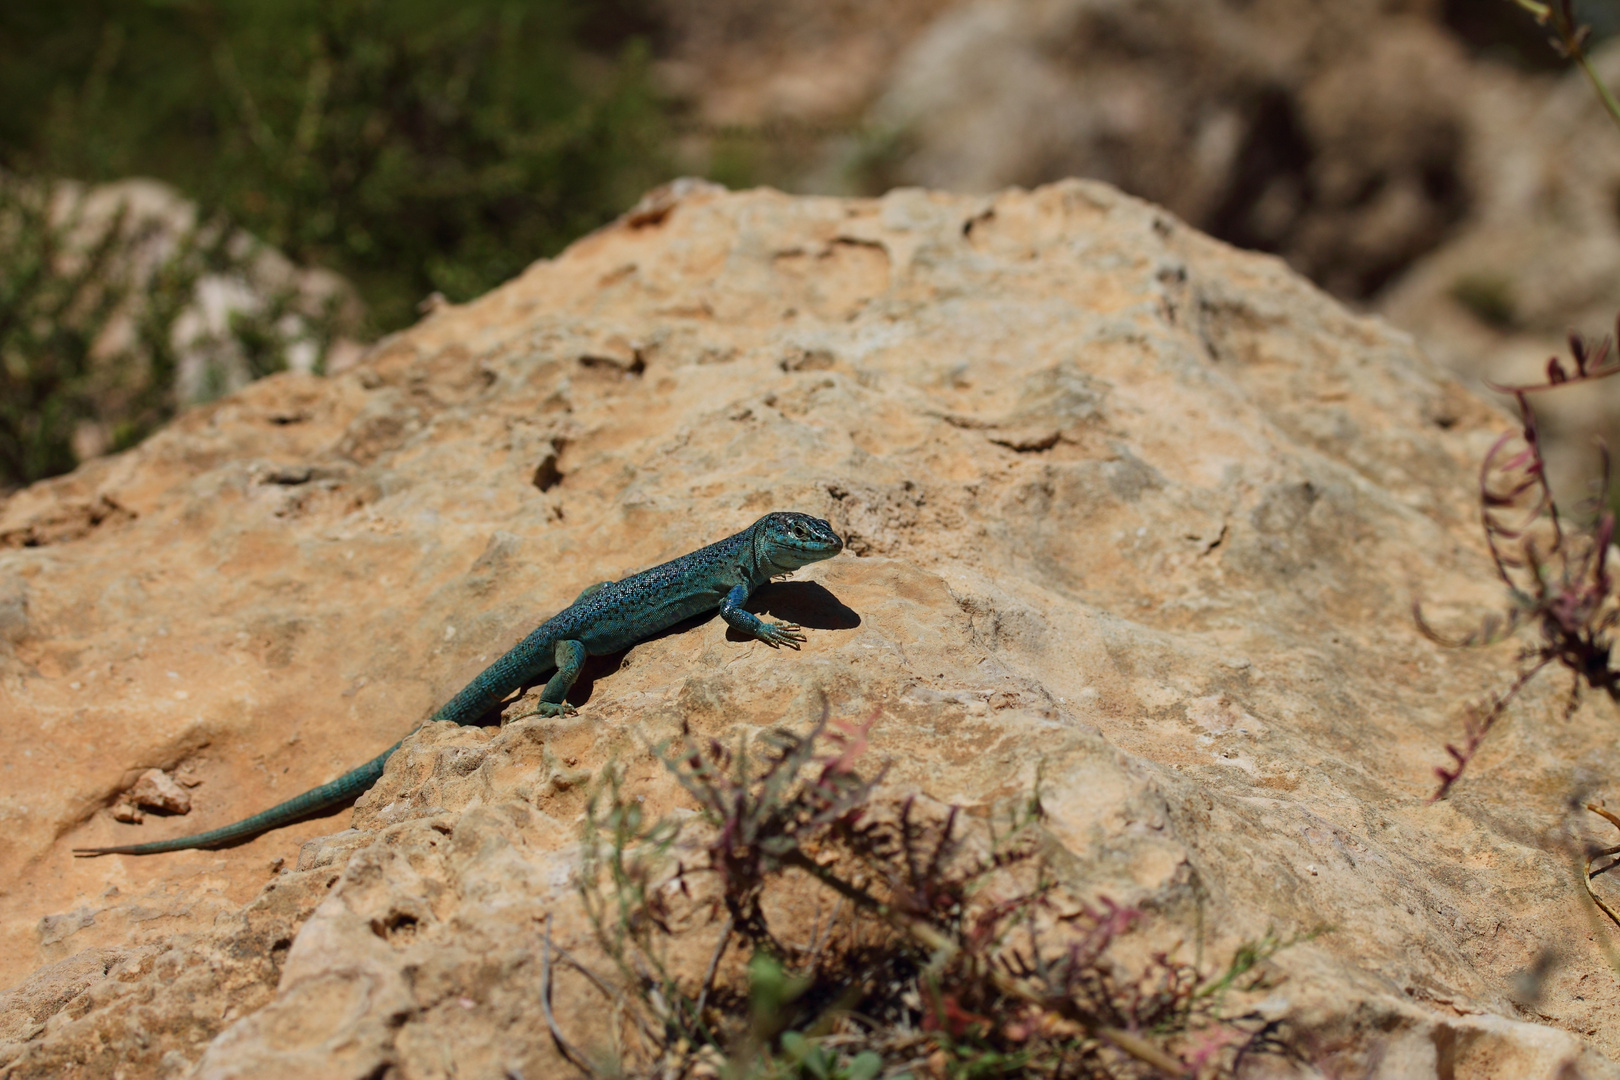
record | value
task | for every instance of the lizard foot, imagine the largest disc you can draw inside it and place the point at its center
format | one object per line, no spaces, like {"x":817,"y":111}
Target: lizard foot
{"x":778,"y":634}
{"x":553,"y":708}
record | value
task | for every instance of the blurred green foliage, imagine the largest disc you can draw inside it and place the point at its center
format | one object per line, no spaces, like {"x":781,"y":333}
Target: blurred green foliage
{"x":58,"y":296}
{"x":412,"y":145}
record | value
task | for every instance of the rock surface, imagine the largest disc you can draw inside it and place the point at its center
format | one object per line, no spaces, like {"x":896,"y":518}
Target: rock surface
{"x":1385,"y":149}
{"x":1335,"y":135}
{"x":1118,"y":499}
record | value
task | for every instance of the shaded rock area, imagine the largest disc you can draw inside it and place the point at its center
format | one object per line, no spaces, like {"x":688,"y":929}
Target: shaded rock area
{"x":1122,"y":504}
{"x":743,"y":63}
{"x":1327,"y":134}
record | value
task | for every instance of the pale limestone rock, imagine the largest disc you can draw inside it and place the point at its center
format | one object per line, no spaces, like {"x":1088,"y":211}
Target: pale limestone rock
{"x":1326,"y":133}
{"x":1370,"y":143}
{"x":1122,"y":503}
{"x":157,"y":790}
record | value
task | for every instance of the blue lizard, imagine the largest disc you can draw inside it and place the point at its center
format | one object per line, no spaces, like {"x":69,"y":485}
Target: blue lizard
{"x":606,"y":618}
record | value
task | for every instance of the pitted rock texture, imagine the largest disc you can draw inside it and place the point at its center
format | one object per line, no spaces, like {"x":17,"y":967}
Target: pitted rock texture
{"x":1122,"y":504}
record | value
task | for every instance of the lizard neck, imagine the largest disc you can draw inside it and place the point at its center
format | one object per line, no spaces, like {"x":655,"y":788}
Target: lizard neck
{"x":757,"y":566}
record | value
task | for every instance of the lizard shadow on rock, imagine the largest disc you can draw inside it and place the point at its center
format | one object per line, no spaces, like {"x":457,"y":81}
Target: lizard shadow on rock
{"x":806,"y":603}
{"x":597,"y":667}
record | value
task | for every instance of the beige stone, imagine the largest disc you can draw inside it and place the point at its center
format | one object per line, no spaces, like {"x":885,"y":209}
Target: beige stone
{"x":156,"y":790}
{"x":1121,"y":503}
{"x":1470,"y":202}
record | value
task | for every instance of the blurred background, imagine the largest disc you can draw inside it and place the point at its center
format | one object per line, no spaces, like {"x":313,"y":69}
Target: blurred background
{"x":196,"y":193}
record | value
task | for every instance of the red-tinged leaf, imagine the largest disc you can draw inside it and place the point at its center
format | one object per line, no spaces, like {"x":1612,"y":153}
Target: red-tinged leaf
{"x":1020,"y":1030}
{"x":1555,"y":370}
{"x":853,"y":740}
{"x":1601,"y":354}
{"x":1524,"y":459}
{"x":1531,"y":481}
{"x":1205,"y":1047}
{"x":948,"y":1015}
{"x":1496,"y":447}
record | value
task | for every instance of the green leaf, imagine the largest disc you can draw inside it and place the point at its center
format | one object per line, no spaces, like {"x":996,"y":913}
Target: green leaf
{"x":795,"y":1045}
{"x":865,"y":1066}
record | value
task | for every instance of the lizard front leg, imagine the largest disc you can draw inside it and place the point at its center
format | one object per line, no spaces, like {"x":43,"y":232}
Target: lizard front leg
{"x":746,"y":622}
{"x":570,"y":661}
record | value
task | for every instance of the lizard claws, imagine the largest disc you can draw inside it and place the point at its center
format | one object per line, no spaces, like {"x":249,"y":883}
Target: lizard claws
{"x":780,"y":634}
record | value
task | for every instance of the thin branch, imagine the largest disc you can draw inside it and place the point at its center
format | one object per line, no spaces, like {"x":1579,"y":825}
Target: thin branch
{"x":564,"y":1047}
{"x":1477,"y":730}
{"x":1572,"y":43}
{"x":1587,"y":875}
{"x":824,"y":935}
{"x":616,"y":996}
{"x":714,"y":965}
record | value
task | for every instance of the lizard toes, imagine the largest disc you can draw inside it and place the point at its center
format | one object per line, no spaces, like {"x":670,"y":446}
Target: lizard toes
{"x":779,"y":634}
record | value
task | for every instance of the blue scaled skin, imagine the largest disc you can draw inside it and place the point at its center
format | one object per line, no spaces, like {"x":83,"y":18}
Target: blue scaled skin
{"x":607,"y":617}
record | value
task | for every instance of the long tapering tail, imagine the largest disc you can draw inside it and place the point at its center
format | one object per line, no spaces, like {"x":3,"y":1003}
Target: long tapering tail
{"x":533,"y":656}
{"x":312,"y":803}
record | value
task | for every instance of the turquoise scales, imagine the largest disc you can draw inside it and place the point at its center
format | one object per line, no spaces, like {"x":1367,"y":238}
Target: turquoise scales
{"x":606,"y":618}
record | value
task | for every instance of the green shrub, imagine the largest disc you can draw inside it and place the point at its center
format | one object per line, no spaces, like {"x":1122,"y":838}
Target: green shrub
{"x":61,"y":373}
{"x":412,"y":145}
{"x":952,"y":947}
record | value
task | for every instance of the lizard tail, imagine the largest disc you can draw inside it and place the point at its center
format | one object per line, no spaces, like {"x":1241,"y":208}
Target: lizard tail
{"x":532,"y":657}
{"x":312,"y":803}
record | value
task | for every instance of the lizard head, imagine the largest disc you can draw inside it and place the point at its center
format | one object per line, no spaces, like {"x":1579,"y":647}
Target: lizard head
{"x":788,"y":541}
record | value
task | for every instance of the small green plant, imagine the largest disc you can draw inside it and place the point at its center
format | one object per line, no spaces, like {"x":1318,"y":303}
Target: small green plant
{"x":952,"y":948}
{"x":1489,"y":297}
